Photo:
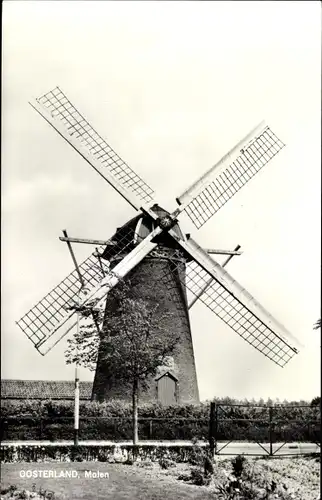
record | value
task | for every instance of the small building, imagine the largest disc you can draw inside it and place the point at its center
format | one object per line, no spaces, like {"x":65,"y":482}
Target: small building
{"x":16,"y":391}
{"x":167,"y":388}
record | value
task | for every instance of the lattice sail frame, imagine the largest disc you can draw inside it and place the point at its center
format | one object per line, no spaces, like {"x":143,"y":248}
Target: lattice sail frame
{"x":232,"y":311}
{"x":226,"y":184}
{"x":53,"y":312}
{"x":207,"y":202}
{"x":77,"y":127}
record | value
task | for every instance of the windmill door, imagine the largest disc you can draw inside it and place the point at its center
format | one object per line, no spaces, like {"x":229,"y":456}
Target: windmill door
{"x":167,"y":390}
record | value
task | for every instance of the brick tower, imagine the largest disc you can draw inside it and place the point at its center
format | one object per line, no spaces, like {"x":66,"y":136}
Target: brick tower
{"x":175,"y":384}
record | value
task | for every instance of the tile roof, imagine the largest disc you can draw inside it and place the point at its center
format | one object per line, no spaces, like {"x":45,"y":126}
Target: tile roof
{"x":43,"y":389}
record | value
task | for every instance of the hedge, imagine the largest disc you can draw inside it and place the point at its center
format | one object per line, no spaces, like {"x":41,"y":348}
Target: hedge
{"x":109,"y":453}
{"x":113,"y":408}
{"x":102,"y":428}
{"x":113,"y":421}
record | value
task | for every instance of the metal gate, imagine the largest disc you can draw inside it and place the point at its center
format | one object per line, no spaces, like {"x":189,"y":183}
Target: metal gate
{"x":264,"y":430}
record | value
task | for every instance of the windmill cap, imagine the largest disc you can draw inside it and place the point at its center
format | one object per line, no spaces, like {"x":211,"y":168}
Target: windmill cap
{"x":138,"y":228}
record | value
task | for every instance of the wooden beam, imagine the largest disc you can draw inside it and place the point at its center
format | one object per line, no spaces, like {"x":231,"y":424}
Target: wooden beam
{"x":231,"y":255}
{"x":98,"y":255}
{"x":74,"y":258}
{"x":210,"y":281}
{"x":87,"y":241}
{"x":223,"y":252}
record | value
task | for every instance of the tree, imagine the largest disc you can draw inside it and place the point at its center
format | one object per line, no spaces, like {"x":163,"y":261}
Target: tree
{"x":133,"y":342}
{"x":316,"y":401}
{"x":317,"y":325}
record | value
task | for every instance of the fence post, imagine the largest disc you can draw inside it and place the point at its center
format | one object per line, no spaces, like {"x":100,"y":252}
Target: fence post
{"x":76,"y":407}
{"x":150,"y":429}
{"x":213,"y":428}
{"x":4,"y":429}
{"x":40,"y":429}
{"x":270,"y":431}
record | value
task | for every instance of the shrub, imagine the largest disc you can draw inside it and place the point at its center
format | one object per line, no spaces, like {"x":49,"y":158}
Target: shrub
{"x":316,"y":401}
{"x":198,"y":477}
{"x":24,"y":495}
{"x":11,"y":489}
{"x":13,"y":492}
{"x":208,"y":466}
{"x":53,"y":420}
{"x":144,"y":465}
{"x":110,"y":453}
{"x":197,"y":456}
{"x":166,"y":463}
{"x":238,"y":464}
{"x":184,"y":477}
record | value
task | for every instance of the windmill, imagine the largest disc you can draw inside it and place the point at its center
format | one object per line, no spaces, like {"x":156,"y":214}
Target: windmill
{"x":164,"y":264}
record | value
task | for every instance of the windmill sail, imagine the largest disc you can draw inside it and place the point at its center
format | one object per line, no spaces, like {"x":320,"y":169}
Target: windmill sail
{"x":235,"y":306}
{"x":52,"y":318}
{"x":47,"y":322}
{"x":39,"y":322}
{"x":233,"y":172}
{"x":55,"y":107}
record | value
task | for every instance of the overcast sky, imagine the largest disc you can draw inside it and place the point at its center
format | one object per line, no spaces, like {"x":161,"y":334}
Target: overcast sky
{"x":171,"y":86}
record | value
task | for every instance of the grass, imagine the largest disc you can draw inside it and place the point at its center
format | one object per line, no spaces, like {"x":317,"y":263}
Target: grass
{"x":150,"y":482}
{"x":125,"y":482}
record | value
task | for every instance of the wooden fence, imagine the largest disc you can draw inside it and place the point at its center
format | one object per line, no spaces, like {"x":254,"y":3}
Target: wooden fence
{"x":270,"y":427}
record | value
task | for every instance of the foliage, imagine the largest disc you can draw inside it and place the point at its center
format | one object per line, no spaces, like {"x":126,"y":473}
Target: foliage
{"x":13,"y":492}
{"x":118,"y":408}
{"x":208,"y":465}
{"x":316,"y":401}
{"x":104,"y":453}
{"x":124,"y":483}
{"x":133,"y":342}
{"x":103,"y":428}
{"x":112,"y":420}
{"x":238,"y":464}
{"x":266,"y":479}
{"x":144,"y":464}
{"x":10,"y":489}
{"x":199,"y":478}
{"x":254,"y":479}
{"x":317,"y":325}
{"x":166,"y":463}
{"x":288,"y":423}
{"x":197,"y":456}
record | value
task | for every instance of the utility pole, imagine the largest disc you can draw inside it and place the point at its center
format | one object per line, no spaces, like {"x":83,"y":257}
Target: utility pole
{"x":76,"y":405}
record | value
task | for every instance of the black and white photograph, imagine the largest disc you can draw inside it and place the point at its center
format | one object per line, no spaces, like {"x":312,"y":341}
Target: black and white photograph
{"x":161,"y":250}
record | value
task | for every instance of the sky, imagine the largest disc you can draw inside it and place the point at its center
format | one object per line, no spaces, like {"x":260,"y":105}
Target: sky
{"x":171,"y":86}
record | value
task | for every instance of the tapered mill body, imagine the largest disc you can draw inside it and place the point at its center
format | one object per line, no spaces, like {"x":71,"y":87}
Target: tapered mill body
{"x":176,"y":383}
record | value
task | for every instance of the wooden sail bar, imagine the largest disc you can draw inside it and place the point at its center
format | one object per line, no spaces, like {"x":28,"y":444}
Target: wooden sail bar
{"x":223,"y":252}
{"x":87,"y":241}
{"x":112,"y":243}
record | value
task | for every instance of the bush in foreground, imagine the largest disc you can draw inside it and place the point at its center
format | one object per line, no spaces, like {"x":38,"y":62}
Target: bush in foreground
{"x":22,"y":494}
{"x":244,"y":479}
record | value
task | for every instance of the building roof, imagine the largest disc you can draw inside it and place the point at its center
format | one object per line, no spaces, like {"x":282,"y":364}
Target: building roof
{"x":168,"y":373}
{"x":44,"y":389}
